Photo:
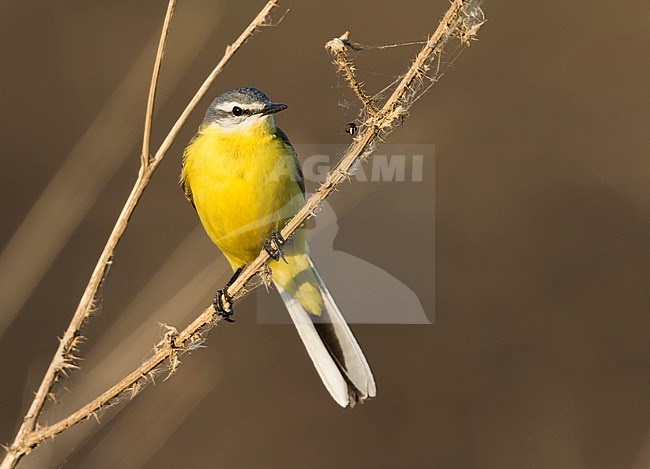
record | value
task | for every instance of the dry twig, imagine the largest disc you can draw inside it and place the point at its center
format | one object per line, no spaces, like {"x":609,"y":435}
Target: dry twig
{"x":338,"y":47}
{"x":148,"y":116}
{"x":64,"y":357}
{"x":462,"y":18}
{"x":462,"y":21}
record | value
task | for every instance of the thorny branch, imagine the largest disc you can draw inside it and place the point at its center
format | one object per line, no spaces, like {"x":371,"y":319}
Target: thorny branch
{"x":338,"y":48}
{"x":27,"y":436}
{"x":462,"y":21}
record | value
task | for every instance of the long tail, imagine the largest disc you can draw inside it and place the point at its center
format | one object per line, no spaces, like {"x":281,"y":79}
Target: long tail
{"x":327,"y":337}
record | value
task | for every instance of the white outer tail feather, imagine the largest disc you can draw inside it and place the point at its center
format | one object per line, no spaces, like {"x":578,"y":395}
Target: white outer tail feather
{"x":347,"y":384}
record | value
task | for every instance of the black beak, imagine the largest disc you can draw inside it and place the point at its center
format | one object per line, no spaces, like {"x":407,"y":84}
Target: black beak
{"x":273,"y":108}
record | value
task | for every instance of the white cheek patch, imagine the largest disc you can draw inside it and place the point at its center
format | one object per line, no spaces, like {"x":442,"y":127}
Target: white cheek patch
{"x":243,"y":124}
{"x":228,"y":122}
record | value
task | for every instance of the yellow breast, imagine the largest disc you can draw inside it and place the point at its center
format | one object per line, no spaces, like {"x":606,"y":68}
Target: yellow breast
{"x":243,"y":186}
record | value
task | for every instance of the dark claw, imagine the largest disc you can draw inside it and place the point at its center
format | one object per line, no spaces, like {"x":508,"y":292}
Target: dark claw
{"x":273,"y":246}
{"x":223,"y":302}
{"x":223,"y":305}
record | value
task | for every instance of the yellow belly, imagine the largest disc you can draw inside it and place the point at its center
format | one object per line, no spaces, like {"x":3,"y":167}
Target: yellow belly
{"x":243,"y":187}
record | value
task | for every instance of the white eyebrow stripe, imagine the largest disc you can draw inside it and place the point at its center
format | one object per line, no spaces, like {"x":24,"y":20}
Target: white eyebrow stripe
{"x":227,"y":106}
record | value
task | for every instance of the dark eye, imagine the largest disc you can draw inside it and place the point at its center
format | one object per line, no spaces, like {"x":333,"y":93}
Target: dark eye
{"x":237,"y":111}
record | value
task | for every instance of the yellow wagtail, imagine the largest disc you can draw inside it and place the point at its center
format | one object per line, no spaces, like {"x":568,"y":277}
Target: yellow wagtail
{"x":243,"y":177}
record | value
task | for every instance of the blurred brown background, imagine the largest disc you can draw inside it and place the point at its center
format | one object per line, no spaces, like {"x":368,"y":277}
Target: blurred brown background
{"x":538,"y":356}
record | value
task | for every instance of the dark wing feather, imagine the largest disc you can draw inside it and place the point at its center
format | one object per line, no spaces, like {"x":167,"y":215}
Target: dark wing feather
{"x":299,"y":176}
{"x":187,"y":190}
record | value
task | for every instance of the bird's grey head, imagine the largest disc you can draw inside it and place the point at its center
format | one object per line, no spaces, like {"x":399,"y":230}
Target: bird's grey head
{"x":241,"y":108}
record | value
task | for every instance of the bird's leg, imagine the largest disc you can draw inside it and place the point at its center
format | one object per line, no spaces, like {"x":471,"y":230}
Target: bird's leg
{"x":273,"y":246}
{"x":223,"y":302}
